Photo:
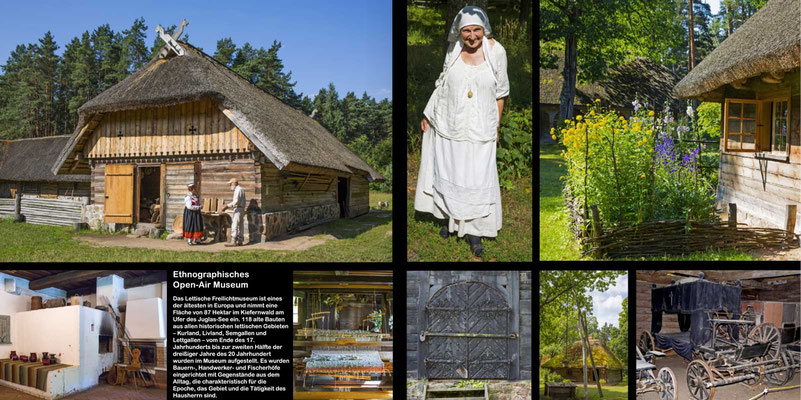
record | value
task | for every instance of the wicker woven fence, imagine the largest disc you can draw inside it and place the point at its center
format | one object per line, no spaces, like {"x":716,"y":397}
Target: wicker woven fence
{"x":43,"y":211}
{"x":676,"y":237}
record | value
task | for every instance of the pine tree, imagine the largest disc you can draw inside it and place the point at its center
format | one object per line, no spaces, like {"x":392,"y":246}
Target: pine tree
{"x":225,"y":51}
{"x":46,"y":74}
{"x":134,"y":51}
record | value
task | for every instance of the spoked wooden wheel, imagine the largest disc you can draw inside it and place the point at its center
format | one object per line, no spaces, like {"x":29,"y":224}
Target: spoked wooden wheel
{"x":698,"y":376}
{"x":669,"y":382}
{"x":766,"y":333}
{"x":646,"y":342}
{"x":782,"y":377}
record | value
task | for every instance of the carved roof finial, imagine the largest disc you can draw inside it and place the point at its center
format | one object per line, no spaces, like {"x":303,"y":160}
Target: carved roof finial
{"x":171,"y":42}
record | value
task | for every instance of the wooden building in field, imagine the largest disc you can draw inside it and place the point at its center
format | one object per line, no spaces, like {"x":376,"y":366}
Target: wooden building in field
{"x":25,"y":168}
{"x":638,"y":79}
{"x":570,"y":365}
{"x":754,"y":75}
{"x":184,"y":117}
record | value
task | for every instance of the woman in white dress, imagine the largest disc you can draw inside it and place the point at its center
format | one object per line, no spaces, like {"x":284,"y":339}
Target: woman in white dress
{"x":458,"y":178}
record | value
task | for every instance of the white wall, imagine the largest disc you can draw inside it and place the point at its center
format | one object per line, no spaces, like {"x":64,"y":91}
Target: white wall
{"x":54,"y":330}
{"x":145,"y":319}
{"x":92,"y":362}
{"x":11,"y":304}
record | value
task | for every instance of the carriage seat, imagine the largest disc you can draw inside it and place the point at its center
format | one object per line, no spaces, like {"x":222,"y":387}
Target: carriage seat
{"x":644,"y":365}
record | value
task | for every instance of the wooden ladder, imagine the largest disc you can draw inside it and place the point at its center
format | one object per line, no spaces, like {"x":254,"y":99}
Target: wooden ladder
{"x":456,"y":393}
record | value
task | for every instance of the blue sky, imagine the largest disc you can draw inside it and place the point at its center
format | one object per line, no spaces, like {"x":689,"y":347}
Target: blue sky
{"x":322,"y":41}
{"x":606,"y":306}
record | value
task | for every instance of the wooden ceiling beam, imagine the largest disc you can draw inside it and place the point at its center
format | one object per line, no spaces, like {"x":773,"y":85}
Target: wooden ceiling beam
{"x":70,"y":276}
{"x":155,"y":277}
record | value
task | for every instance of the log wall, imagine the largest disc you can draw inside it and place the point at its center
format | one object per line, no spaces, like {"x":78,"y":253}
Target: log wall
{"x":359,"y":195}
{"x":48,"y":190}
{"x":44,"y":211}
{"x":189,"y":128}
{"x":286,"y":190}
{"x":177,"y":177}
{"x":762,"y":188}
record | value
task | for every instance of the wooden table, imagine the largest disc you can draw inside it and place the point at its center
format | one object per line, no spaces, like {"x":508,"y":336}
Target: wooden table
{"x":219,"y":222}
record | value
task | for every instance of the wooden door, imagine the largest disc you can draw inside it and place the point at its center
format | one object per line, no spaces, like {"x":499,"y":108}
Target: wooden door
{"x":119,"y":194}
{"x":468,"y":333}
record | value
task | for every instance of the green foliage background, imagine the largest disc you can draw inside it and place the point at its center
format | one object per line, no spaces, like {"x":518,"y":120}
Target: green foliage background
{"x":40,"y":92}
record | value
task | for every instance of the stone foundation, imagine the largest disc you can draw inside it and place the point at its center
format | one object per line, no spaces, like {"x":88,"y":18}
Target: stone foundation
{"x":93,"y":216}
{"x":275,"y":224}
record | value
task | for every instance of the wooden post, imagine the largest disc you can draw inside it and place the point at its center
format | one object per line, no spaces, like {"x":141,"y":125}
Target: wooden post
{"x":597,"y":228}
{"x":18,"y":207}
{"x":790,"y":221}
{"x":733,"y":215}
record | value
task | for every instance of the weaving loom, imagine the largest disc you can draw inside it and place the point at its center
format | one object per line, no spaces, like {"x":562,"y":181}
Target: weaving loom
{"x":344,"y":361}
{"x":32,"y":374}
{"x":329,"y":335}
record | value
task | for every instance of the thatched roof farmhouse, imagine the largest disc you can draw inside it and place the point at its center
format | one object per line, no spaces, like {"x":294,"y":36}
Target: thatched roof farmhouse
{"x":754,"y":74}
{"x":24,"y":168}
{"x":640,"y":78}
{"x":184,"y":117}
{"x":570,"y":365}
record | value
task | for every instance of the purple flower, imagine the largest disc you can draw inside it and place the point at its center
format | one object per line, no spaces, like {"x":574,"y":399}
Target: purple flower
{"x":636,"y":104}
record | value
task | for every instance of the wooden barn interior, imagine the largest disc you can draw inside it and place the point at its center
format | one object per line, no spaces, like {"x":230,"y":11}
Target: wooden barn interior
{"x":102,"y":333}
{"x":752,"y":306}
{"x":342,"y":328}
{"x":766,"y":290}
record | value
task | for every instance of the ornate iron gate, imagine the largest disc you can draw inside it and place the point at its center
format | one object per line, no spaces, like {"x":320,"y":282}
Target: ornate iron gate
{"x":467,"y":335}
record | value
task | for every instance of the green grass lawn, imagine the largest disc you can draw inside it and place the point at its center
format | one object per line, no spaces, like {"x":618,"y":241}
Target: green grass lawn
{"x":38,"y":243}
{"x":514,"y":241}
{"x":556,"y":240}
{"x":610,"y":392}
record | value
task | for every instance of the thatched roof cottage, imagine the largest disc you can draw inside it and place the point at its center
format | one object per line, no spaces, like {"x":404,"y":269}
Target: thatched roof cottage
{"x":185,"y":117}
{"x":754,"y":75}
{"x":570,"y":365}
{"x":638,"y":79}
{"x":24,"y":168}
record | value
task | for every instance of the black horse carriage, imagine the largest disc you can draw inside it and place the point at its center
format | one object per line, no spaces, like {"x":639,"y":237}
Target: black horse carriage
{"x":724,"y":345}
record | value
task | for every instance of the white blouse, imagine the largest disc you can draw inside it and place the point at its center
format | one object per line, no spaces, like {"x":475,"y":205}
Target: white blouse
{"x":464,"y":107}
{"x":191,"y":202}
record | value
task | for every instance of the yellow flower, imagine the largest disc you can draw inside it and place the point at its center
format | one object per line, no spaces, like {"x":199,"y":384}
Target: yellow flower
{"x":552,"y":129}
{"x":597,"y":100}
{"x":649,"y":131}
{"x":578,"y":117}
{"x":567,"y":121}
{"x":651,"y":113}
{"x":564,"y":131}
{"x":643,"y":175}
{"x":553,"y":137}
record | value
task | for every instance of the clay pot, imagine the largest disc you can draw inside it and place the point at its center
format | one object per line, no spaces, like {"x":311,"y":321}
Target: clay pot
{"x":53,"y":359}
{"x":14,"y":357}
{"x":36,"y":303}
{"x":87,"y":304}
{"x":23,"y":358}
{"x":13,"y":354}
{"x":44,"y":355}
{"x":55,"y":303}
{"x":46,"y":361}
{"x":75,"y":300}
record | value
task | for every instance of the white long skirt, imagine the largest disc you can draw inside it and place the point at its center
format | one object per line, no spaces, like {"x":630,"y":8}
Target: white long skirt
{"x":458,"y":180}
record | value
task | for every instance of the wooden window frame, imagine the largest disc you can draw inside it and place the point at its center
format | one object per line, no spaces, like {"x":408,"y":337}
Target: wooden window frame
{"x":758,"y":110}
{"x":787,"y":119}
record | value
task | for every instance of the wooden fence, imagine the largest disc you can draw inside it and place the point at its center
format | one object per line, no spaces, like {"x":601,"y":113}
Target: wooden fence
{"x":42,"y":211}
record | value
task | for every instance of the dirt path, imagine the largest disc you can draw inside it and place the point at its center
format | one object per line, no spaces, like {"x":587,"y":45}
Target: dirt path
{"x":789,"y":255}
{"x":297,"y":242}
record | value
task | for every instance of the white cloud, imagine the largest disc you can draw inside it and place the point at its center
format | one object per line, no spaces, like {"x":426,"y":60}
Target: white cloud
{"x":384,"y":92}
{"x":606,"y":306}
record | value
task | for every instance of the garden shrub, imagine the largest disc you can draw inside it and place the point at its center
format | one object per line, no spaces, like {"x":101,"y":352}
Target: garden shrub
{"x":634,"y":169}
{"x":709,"y":119}
{"x":514,"y":155}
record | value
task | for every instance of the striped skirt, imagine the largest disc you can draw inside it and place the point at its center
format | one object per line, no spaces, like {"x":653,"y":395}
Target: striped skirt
{"x":193,"y":224}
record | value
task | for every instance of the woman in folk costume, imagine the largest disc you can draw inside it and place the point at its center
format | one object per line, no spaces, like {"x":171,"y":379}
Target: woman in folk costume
{"x":193,"y":220}
{"x":458,"y":178}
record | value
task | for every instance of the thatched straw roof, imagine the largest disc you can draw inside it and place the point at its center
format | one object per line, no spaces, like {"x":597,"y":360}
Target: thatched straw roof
{"x":769,"y":41}
{"x":287,"y":136}
{"x":640,"y":78}
{"x":602,"y":356}
{"x":29,"y":160}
